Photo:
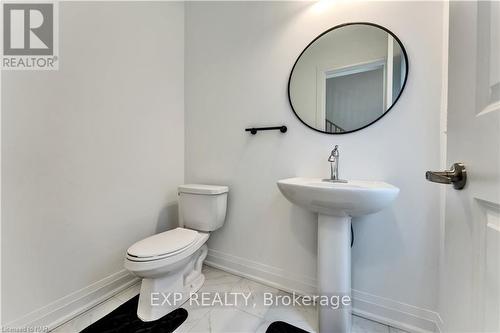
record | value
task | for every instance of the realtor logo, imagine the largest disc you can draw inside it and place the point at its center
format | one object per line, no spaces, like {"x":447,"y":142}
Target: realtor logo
{"x":29,"y":36}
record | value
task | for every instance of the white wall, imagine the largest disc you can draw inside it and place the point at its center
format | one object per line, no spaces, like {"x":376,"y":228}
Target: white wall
{"x":238,"y":58}
{"x":92,"y":154}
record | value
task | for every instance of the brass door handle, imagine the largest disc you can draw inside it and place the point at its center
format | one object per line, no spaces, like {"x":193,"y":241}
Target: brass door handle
{"x":457,"y":175}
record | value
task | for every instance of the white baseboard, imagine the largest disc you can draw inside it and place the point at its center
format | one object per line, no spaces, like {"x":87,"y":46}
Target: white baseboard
{"x":74,"y":304}
{"x":393,"y":313}
{"x":386,"y":311}
{"x":271,"y":276}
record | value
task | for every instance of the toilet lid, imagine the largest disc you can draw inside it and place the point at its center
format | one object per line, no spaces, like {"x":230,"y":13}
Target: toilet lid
{"x":203,"y":189}
{"x":163,"y":243}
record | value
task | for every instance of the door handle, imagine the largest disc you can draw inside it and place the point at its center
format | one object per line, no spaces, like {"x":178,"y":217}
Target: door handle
{"x":457,"y":175}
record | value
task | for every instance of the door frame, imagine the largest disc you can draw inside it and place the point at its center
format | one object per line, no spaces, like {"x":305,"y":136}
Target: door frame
{"x":327,"y":71}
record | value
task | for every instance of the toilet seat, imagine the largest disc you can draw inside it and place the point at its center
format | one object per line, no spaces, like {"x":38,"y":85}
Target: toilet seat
{"x":149,"y":265}
{"x":163,"y":245}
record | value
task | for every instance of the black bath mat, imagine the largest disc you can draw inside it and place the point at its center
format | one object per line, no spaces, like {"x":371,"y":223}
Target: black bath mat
{"x":124,"y":320}
{"x":282,"y":327}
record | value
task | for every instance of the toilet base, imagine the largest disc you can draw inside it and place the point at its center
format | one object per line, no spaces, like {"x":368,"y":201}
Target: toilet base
{"x":163,"y":294}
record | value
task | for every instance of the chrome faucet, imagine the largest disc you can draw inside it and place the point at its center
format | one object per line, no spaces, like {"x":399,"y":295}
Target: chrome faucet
{"x":334,"y":163}
{"x":334,"y":166}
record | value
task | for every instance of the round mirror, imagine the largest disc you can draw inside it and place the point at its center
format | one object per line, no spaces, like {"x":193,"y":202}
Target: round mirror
{"x":347,"y":78}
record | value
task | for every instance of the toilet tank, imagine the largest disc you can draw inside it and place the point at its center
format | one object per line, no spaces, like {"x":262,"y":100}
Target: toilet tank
{"x":202,"y":207}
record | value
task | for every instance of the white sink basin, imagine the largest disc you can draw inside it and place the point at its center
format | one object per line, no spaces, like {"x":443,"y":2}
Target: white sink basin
{"x":335,"y":204}
{"x":354,"y":198}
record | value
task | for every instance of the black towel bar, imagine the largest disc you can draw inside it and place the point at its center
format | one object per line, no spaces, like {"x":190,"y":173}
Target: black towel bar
{"x":254,"y":130}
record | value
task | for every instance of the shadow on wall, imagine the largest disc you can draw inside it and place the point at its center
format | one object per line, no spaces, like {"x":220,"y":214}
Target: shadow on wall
{"x":371,"y":247}
{"x":304,"y":222}
{"x":168,"y":218}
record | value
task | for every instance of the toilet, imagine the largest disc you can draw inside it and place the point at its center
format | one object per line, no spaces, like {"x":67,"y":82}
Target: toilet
{"x":170,"y":262}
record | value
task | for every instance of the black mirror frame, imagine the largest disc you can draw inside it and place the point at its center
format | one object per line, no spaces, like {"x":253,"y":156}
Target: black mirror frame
{"x":337,"y":27}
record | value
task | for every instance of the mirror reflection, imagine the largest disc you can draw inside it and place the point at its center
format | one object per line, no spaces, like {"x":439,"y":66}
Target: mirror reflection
{"x":348,"y":78}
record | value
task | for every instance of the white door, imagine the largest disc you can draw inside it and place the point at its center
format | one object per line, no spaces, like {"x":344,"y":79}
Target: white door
{"x":470,"y":300}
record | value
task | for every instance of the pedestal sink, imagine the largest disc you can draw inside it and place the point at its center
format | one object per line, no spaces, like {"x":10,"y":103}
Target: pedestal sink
{"x":335,"y":204}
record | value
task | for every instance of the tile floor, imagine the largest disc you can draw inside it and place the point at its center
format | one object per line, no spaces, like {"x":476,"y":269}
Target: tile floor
{"x":228,"y":319}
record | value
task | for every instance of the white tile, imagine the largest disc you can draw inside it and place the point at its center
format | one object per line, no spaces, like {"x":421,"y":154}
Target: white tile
{"x":195,"y":311}
{"x":217,"y":280}
{"x":396,"y":330}
{"x":362,"y":325}
{"x":253,"y":300}
{"x":195,"y":314}
{"x":227,"y":320}
{"x":186,"y":326}
{"x":263,"y":326}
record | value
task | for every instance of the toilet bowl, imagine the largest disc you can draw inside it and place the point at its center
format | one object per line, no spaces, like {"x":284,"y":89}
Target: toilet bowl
{"x":170,"y":262}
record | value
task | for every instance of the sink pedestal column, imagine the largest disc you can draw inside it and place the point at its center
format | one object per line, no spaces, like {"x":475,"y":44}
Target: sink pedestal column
{"x":334,"y":272}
